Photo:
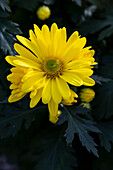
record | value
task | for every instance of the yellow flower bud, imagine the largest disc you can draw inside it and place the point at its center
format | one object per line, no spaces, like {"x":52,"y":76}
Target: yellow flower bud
{"x":43,"y":12}
{"x":87,"y":95}
{"x":86,"y":105}
{"x":59,"y":112}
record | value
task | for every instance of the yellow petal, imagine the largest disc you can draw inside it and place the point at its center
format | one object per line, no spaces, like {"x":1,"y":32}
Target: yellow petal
{"x":63,"y":88}
{"x":53,"y":119}
{"x":32,"y":37}
{"x":16,"y":91}
{"x":53,"y":47}
{"x":10,"y":60}
{"x":16,"y":97}
{"x":70,"y":43}
{"x":46,"y":34}
{"x":31,"y":81}
{"x":25,"y":52}
{"x":40,"y":83}
{"x":53,"y":110}
{"x":37,"y":30}
{"x":63,"y":34}
{"x":29,"y":74}
{"x":72,"y":38}
{"x":87,"y":81}
{"x":42,"y":48}
{"x":33,"y":47}
{"x":58,"y":43}
{"x":39,"y":42}
{"x":55,"y":92}
{"x":36,"y":98}
{"x":33,"y":93}
{"x":72,"y":78}
{"x":87,"y":53}
{"x":19,"y":70}
{"x":70,"y":54}
{"x":14,"y":78}
{"x":54,"y":28}
{"x":21,"y":61}
{"x":72,"y":51}
{"x":53,"y":40}
{"x":82,"y":71}
{"x":46,"y":93}
{"x":81,"y":42}
{"x":76,"y":64}
{"x":13,"y":86}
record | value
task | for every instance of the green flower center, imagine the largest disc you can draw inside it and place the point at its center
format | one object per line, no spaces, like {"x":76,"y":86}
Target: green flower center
{"x":52,"y":65}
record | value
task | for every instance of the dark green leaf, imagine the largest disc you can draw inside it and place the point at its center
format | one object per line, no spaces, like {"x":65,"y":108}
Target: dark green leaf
{"x":54,"y":154}
{"x":82,"y":127}
{"x":7,"y":30}
{"x":32,"y":5}
{"x":103,"y":103}
{"x":100,"y":79}
{"x":103,"y":23}
{"x":74,"y":12}
{"x":78,"y":2}
{"x":106,"y":33}
{"x":4,"y":5}
{"x":3,"y":93}
{"x":47,"y":2}
{"x":3,"y":14}
{"x":10,"y":122}
{"x":106,"y":68}
{"x":106,"y":137}
{"x":105,"y":162}
{"x":27,"y":4}
{"x":93,"y":26}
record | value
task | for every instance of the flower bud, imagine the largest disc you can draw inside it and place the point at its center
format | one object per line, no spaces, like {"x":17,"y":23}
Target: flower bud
{"x":86,"y":105}
{"x":43,"y":12}
{"x":87,"y":95}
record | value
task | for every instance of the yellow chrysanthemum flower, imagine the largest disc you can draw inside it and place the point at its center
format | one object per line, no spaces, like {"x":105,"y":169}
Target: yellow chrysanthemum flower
{"x":87,"y":95}
{"x":47,"y":64}
{"x":43,"y":12}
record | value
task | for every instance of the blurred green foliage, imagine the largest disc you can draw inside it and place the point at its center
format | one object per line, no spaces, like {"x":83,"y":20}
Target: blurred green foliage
{"x":82,"y":138}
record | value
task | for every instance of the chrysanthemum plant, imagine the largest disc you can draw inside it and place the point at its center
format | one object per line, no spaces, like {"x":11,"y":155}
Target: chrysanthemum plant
{"x":47,"y":67}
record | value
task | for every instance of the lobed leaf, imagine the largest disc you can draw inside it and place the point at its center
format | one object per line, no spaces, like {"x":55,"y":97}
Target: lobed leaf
{"x":82,"y":127}
{"x":4,"y":5}
{"x":100,"y":79}
{"x":103,"y":103}
{"x":7,"y":31}
{"x":78,"y":2}
{"x":27,"y":4}
{"x":11,"y":122}
{"x":106,"y":67}
{"x":106,"y":137}
{"x":47,"y":2}
{"x":102,"y":24}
